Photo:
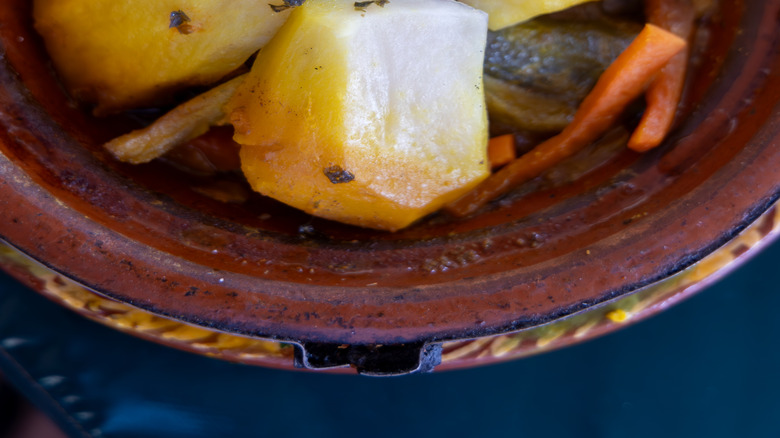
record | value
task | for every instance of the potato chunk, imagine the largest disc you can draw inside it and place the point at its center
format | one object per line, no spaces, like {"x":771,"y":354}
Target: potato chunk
{"x":372,"y":115}
{"x":128,"y":53}
{"x":504,"y":13}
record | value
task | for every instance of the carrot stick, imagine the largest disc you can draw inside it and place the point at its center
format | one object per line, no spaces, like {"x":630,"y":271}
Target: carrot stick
{"x":663,"y":95}
{"x":501,"y":150}
{"x":622,"y":82}
{"x":183,"y":123}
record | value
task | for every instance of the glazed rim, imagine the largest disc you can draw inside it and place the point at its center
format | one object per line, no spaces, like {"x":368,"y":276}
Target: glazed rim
{"x":508,"y":268}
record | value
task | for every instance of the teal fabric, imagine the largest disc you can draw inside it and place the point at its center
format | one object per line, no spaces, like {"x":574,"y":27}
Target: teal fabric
{"x":707,"y":367}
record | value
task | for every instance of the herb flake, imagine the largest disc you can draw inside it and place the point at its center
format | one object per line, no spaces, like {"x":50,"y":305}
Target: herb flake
{"x":361,"y":6}
{"x":337,"y":175}
{"x":287,"y":4}
{"x":180,"y":21}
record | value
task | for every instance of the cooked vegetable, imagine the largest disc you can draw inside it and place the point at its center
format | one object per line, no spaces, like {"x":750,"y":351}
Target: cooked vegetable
{"x":501,"y":150}
{"x":185,"y":122}
{"x":340,"y":118}
{"x":373,"y":113}
{"x":505,"y":13}
{"x":538,"y":72}
{"x":663,"y":96}
{"x":624,"y":81}
{"x":132,"y":53}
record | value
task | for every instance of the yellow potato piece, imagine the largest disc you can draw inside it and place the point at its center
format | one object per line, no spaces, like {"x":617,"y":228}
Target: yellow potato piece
{"x":505,"y":13}
{"x":128,"y":53}
{"x":373,"y":116}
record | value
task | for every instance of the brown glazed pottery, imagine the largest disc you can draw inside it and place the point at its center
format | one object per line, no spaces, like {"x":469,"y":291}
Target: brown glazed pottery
{"x":156,"y":239}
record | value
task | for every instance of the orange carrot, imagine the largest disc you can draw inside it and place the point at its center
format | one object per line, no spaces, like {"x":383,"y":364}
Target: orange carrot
{"x":501,"y":150}
{"x":663,"y":95}
{"x":622,"y":82}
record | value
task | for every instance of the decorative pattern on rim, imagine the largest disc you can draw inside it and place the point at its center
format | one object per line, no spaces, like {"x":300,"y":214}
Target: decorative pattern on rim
{"x":458,"y":354}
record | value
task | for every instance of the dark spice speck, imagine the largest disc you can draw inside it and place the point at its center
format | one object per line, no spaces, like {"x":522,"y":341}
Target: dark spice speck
{"x":180,"y":21}
{"x":337,"y":175}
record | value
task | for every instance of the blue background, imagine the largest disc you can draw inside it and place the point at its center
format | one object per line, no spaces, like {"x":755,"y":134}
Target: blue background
{"x":707,"y":367}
